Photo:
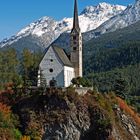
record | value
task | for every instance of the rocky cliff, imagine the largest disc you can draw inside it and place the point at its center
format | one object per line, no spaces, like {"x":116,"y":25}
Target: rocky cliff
{"x":68,"y":116}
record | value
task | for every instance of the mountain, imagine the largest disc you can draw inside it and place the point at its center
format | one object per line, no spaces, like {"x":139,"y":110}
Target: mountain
{"x":113,"y":50}
{"x":126,"y":18}
{"x":129,"y":16}
{"x":45,"y":30}
{"x":115,"y":55}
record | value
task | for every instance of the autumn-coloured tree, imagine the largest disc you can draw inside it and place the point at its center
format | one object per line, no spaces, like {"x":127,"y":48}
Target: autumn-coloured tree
{"x":123,"y":105}
{"x":7,"y":124}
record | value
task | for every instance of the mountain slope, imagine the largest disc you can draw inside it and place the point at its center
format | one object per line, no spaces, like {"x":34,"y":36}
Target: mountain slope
{"x":114,"y":49}
{"x":129,"y":16}
{"x":46,"y":29}
{"x":115,"y":55}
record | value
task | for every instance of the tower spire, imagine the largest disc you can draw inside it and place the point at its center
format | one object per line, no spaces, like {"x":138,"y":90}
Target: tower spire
{"x":76,"y":20}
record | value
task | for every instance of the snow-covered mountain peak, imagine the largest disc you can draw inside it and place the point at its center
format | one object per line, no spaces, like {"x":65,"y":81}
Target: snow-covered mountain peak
{"x":91,"y":18}
{"x":36,"y":27}
{"x":103,"y":7}
{"x":127,"y":17}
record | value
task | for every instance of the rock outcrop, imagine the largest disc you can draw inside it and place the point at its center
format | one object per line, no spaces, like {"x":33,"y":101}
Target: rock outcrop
{"x":68,"y":116}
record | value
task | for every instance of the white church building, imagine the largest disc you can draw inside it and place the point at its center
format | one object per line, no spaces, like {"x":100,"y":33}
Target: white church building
{"x":56,"y":65}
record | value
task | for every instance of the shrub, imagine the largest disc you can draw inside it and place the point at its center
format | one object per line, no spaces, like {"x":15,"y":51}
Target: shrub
{"x":123,"y":105}
{"x":26,"y":138}
{"x":81,"y":81}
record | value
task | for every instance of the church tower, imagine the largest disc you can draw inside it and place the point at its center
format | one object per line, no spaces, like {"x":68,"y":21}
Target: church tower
{"x":76,"y":44}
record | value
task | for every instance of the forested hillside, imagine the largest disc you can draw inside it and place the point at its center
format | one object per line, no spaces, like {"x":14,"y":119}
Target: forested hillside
{"x":112,"y":56}
{"x":114,"y":49}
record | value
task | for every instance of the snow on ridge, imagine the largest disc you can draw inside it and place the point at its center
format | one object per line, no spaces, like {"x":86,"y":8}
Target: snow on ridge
{"x":94,"y":18}
{"x":103,"y":6}
{"x":31,"y":27}
{"x":91,"y":18}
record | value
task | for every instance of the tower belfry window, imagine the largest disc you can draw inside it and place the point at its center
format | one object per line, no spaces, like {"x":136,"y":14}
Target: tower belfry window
{"x":74,"y":37}
{"x":74,"y":48}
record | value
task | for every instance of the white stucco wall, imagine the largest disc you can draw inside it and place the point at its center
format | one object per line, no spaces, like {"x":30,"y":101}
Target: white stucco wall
{"x":68,"y":75}
{"x":51,"y":61}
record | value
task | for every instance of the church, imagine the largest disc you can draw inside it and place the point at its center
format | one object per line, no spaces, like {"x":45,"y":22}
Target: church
{"x":56,"y":65}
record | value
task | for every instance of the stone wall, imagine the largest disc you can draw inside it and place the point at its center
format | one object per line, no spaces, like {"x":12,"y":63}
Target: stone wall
{"x":82,"y":90}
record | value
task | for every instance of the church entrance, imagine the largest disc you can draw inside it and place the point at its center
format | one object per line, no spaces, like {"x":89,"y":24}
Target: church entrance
{"x":53,"y":83}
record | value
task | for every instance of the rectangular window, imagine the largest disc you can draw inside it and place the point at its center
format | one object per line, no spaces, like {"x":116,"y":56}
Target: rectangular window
{"x":74,"y":37}
{"x":74,"y":48}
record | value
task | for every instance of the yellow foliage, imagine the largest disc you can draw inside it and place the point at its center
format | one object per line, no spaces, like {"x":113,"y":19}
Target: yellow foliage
{"x":26,"y":138}
{"x":123,"y":105}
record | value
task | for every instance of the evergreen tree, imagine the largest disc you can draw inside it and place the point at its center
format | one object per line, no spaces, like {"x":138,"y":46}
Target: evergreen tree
{"x":8,"y":66}
{"x":121,"y":87}
{"x":30,"y":62}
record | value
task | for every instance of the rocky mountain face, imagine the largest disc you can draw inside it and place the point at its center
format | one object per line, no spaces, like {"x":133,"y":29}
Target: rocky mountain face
{"x":94,"y":21}
{"x":45,"y":30}
{"x":68,"y":116}
{"x":129,"y":16}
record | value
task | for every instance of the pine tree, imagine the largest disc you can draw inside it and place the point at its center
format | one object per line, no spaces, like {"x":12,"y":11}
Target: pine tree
{"x":121,"y":87}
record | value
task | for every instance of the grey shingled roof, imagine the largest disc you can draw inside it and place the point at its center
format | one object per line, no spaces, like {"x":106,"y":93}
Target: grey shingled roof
{"x":62,"y":55}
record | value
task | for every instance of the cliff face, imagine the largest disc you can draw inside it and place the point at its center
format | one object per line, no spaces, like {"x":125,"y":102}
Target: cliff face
{"x":68,"y":116}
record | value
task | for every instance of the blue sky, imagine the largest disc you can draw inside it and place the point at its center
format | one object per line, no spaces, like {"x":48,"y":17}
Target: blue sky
{"x":16,"y":14}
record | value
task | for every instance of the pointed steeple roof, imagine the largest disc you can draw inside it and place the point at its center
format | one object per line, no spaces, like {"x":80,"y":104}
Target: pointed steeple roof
{"x":75,"y":19}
